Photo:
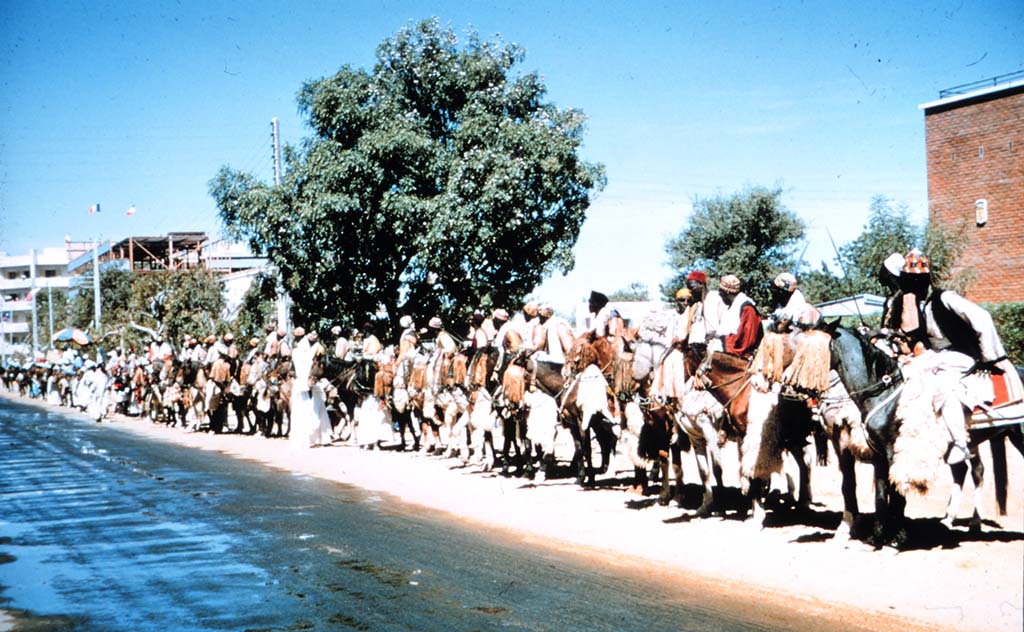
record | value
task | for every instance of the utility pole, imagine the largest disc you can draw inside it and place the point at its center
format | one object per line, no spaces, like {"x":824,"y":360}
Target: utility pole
{"x":49,"y":305}
{"x":283,"y":315}
{"x":97,"y":309}
{"x":276,"y":135}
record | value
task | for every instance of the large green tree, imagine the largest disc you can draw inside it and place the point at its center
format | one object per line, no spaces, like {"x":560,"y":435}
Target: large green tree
{"x":438,"y":182}
{"x":750,"y":234}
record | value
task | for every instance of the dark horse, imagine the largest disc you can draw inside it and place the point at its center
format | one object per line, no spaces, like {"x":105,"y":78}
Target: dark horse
{"x":873,"y":381}
{"x":352,"y":383}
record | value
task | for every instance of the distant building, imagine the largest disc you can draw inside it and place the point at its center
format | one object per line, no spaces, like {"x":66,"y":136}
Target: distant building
{"x":632,"y":312}
{"x":67,"y":268}
{"x":41,"y":271}
{"x":975,"y":144}
{"x":860,"y":305}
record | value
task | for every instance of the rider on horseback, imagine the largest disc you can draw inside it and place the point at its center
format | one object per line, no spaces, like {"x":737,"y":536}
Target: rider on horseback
{"x":968,"y":346}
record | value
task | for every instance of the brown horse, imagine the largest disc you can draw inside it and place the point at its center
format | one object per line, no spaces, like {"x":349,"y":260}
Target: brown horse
{"x":750,"y":420}
{"x":586,"y":352}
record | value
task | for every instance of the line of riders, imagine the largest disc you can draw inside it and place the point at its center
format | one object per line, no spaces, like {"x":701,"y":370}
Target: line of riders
{"x":711,"y":371}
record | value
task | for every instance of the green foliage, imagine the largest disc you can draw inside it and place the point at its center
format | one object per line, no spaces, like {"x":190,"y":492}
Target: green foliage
{"x":115,"y":291}
{"x":890,"y":230}
{"x":635,"y":291}
{"x":437,"y":182}
{"x":171,"y":303}
{"x":257,"y":309}
{"x":944,"y":247}
{"x":1009,"y":319}
{"x":192,"y":303}
{"x":822,"y":285}
{"x":60,"y":307}
{"x":749,"y":234}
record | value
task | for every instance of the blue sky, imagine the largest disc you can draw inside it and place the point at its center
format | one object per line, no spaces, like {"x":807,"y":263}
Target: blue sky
{"x":139,"y":103}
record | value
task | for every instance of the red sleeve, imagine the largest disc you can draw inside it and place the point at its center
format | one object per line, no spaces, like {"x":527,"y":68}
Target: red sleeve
{"x":745,"y":340}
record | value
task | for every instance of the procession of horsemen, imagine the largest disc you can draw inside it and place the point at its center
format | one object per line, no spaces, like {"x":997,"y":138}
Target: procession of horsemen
{"x":919,"y":392}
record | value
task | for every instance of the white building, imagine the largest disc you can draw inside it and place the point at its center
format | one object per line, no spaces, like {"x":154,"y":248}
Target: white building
{"x":632,"y":312}
{"x":21,"y":277}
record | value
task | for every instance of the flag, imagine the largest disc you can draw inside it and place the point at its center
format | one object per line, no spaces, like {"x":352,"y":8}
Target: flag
{"x":94,"y":209}
{"x":130,"y":211}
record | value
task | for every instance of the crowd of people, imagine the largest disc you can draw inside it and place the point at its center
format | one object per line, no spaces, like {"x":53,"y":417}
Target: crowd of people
{"x":494,"y":377}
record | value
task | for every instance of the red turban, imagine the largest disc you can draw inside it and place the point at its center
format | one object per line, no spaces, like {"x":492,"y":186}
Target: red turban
{"x":698,"y":276}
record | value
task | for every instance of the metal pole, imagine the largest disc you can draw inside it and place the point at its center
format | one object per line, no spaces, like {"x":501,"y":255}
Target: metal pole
{"x":3,"y":332}
{"x":35,"y":320}
{"x":97,"y":308}
{"x":49,"y":305}
{"x":276,"y":133}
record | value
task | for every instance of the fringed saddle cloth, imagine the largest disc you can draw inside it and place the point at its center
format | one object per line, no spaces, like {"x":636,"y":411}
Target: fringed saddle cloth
{"x":1008,"y":405}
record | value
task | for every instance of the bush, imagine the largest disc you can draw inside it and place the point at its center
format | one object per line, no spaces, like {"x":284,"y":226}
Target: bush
{"x":1009,"y":319}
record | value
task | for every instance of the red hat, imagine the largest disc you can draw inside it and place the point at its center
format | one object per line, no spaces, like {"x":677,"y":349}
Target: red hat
{"x":698,"y":276}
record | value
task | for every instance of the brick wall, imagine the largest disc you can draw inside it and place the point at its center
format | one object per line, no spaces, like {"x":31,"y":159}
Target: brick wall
{"x":976,"y":151}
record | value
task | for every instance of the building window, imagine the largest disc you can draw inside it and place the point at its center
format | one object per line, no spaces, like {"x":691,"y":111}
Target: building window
{"x":981,"y":212}
{"x":50,"y":274}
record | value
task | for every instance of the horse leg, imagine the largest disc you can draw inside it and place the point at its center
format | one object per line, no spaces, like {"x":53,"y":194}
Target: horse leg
{"x":605,"y":440}
{"x":847,"y":467}
{"x":978,"y":478}
{"x":804,"y":463}
{"x":755,"y":500}
{"x":882,"y":509}
{"x":676,"y":451}
{"x":959,"y":471}
{"x":507,"y":431}
{"x":700,"y":453}
{"x":524,"y":439}
{"x":581,"y":441}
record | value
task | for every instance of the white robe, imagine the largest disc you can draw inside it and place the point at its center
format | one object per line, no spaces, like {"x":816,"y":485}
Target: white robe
{"x":310,"y":425}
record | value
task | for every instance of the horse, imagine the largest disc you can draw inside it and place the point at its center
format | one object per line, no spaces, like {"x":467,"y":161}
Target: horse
{"x":585,"y":405}
{"x":874,"y":381}
{"x":533,"y":388}
{"x":654,"y":438}
{"x":750,"y":420}
{"x":346,"y":386}
{"x":507,"y":402}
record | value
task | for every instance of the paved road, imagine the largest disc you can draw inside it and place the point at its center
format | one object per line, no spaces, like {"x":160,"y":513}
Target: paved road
{"x":103,"y":530}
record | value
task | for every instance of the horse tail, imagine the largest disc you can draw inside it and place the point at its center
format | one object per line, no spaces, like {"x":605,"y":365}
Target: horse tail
{"x":513,"y":383}
{"x":459,"y":369}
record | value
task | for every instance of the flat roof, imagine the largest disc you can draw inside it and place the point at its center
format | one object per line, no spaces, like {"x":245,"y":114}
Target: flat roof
{"x":988,"y":91}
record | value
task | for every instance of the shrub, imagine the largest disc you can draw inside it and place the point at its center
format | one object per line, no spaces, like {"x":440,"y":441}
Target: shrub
{"x":1009,"y":318}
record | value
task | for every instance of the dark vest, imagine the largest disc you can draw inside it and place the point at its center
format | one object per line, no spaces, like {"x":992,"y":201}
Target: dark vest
{"x":958,"y":331}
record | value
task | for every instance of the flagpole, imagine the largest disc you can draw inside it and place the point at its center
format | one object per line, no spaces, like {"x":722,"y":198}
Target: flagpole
{"x":35,"y":319}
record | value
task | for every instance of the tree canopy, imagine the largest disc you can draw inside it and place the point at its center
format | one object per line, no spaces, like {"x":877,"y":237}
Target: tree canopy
{"x":172,"y":303}
{"x":750,"y":234}
{"x":438,"y":182}
{"x":889,"y":229}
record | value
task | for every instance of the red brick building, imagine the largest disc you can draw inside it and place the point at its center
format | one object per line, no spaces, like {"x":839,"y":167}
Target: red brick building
{"x":975,"y":143}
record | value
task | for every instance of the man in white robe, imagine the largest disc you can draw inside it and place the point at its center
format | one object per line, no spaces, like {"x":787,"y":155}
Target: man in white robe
{"x":310,"y":425}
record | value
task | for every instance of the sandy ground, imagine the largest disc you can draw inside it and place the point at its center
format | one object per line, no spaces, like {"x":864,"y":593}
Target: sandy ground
{"x":952,"y":580}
